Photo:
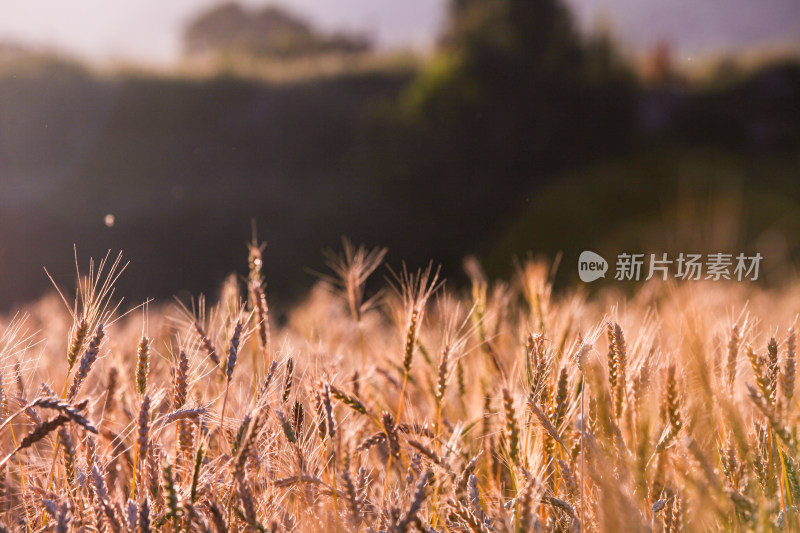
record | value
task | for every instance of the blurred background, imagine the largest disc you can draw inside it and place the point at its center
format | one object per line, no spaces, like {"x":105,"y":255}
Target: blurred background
{"x":438,"y":128}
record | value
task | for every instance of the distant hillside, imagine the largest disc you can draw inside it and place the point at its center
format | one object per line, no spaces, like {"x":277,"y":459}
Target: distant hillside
{"x":184,"y":166}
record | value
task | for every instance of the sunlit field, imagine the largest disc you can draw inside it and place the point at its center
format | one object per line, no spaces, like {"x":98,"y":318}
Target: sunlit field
{"x":506,"y":407}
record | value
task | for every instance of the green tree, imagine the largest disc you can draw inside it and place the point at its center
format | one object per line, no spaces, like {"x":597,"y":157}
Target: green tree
{"x":271,"y":32}
{"x":514,"y":95}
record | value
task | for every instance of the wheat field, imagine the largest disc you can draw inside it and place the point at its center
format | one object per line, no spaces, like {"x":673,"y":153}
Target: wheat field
{"x":507,"y":407}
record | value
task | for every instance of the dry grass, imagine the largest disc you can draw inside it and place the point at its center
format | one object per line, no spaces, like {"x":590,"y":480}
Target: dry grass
{"x":505,"y":408}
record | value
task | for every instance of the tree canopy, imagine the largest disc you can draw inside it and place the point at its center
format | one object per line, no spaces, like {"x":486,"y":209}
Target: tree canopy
{"x":271,"y":32}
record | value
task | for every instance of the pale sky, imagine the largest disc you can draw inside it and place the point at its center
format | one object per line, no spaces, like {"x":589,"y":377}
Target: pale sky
{"x":149,"y":30}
